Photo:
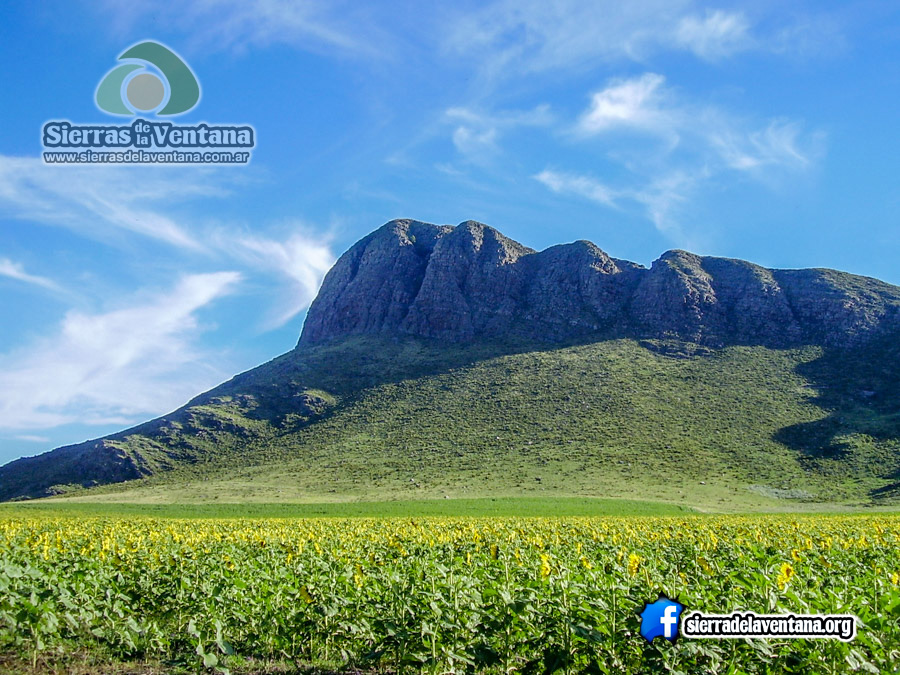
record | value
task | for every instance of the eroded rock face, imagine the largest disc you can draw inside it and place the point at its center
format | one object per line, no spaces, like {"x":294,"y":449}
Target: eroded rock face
{"x":371,"y":288}
{"x":466,"y":282}
{"x":472,"y":285}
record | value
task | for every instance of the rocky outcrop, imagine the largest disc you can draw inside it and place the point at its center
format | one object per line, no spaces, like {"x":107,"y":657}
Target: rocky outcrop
{"x":82,"y":465}
{"x":374,"y":284}
{"x":467,"y":282}
{"x":471,"y":285}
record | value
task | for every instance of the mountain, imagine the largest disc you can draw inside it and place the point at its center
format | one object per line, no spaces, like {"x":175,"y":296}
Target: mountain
{"x":439,"y":359}
{"x":469,"y":282}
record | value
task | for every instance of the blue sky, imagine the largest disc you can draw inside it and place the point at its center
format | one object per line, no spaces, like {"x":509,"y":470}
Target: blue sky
{"x":750,"y":130}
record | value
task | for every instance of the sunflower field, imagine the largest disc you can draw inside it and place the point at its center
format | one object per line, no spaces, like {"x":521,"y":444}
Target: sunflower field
{"x":443,"y":594}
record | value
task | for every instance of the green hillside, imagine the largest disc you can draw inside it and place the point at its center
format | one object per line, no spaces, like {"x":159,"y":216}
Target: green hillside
{"x":367,"y":418}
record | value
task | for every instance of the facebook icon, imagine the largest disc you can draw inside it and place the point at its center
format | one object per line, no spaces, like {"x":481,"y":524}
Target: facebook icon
{"x":660,"y":619}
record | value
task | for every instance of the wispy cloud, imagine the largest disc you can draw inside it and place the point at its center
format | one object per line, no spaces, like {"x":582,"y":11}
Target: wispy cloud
{"x":476,"y":134}
{"x":635,"y":102}
{"x":119,"y":365}
{"x":503,"y":38}
{"x":515,"y":37}
{"x":817,"y":35}
{"x":144,"y":357}
{"x":665,"y":198}
{"x":779,"y":143}
{"x":644,"y":104}
{"x":344,"y":27}
{"x":715,"y":35}
{"x":102,"y":201}
{"x":583,"y":186}
{"x":695,"y":143}
{"x":113,"y":206}
{"x":16,"y":271}
{"x":661,"y":198}
{"x":301,"y":259}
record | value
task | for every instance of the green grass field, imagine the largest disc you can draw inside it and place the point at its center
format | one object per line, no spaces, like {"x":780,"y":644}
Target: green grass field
{"x":488,"y":507}
{"x":531,"y":507}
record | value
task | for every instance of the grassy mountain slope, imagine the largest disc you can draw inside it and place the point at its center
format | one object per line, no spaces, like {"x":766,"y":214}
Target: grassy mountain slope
{"x":453,"y":361}
{"x":409,"y":418}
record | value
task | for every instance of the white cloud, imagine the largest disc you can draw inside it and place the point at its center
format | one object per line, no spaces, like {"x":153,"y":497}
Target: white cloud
{"x":474,"y":143}
{"x":583,"y":186}
{"x":715,"y":136}
{"x":476,"y":134}
{"x":115,"y":204}
{"x":701,"y":142}
{"x":635,"y":102}
{"x":144,"y":357}
{"x":778,"y":144}
{"x":718,"y":34}
{"x":301,"y":259}
{"x":661,"y":198}
{"x":115,"y":366}
{"x":31,"y":438}
{"x":102,"y":202}
{"x":14,"y":270}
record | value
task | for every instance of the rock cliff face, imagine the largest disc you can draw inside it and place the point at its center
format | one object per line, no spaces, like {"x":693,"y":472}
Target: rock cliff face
{"x":469,"y":281}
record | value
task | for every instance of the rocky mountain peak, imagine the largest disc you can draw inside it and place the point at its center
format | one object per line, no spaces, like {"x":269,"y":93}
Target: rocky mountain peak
{"x":471,"y":281}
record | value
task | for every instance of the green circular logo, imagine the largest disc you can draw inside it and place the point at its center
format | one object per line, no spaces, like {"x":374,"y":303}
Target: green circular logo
{"x":146,"y":91}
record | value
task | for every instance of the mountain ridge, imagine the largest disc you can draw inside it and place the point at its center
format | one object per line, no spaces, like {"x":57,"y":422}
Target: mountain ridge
{"x":468,"y":294}
{"x":470,"y":281}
